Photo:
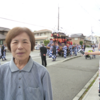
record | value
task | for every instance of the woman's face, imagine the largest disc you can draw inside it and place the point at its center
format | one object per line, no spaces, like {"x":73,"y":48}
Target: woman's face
{"x":21,"y":46}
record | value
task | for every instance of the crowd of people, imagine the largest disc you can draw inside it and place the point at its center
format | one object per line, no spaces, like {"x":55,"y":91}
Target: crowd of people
{"x":63,"y":49}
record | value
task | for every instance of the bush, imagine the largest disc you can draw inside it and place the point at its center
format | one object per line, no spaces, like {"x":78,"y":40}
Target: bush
{"x":81,"y":42}
{"x":88,"y":46}
{"x":46,"y":42}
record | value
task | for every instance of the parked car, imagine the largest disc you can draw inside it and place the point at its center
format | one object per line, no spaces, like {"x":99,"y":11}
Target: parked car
{"x":37,"y":47}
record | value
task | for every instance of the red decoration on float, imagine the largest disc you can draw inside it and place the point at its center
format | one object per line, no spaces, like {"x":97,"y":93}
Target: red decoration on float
{"x":67,"y":41}
{"x":60,"y":40}
{"x":51,"y":35}
{"x":57,"y":34}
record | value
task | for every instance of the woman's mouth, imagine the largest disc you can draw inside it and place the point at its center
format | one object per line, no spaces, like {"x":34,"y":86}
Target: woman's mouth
{"x":20,"y":53}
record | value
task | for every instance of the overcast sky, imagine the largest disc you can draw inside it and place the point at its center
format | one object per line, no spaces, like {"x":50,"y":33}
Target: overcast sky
{"x":76,"y":16}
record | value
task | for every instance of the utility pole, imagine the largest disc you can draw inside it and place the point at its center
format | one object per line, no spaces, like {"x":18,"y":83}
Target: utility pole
{"x":58,"y":18}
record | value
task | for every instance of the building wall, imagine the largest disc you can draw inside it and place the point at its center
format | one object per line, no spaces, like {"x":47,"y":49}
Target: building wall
{"x":98,"y":39}
{"x":48,"y":34}
{"x":2,"y":41}
{"x":77,"y":40}
{"x":3,"y":33}
{"x":88,"y":43}
{"x":39,"y":42}
{"x":94,"y":39}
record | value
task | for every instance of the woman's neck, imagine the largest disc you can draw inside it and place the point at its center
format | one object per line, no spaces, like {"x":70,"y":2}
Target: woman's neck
{"x":21,"y":63}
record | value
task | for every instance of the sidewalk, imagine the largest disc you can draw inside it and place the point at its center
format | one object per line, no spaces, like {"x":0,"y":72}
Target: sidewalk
{"x":93,"y":94}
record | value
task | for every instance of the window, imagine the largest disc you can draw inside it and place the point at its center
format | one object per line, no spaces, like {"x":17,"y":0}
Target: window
{"x":1,"y":42}
{"x":75,"y":38}
{"x":41,"y":42}
{"x":37,"y":34}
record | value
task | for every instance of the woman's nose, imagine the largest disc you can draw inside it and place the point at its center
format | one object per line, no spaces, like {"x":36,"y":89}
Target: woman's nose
{"x":20,"y":45}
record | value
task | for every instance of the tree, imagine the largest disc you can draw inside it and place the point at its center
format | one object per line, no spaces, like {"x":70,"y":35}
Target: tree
{"x":81,"y":42}
{"x":46,"y":42}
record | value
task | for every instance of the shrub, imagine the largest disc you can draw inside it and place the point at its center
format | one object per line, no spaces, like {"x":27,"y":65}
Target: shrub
{"x":81,"y":42}
{"x":46,"y":42}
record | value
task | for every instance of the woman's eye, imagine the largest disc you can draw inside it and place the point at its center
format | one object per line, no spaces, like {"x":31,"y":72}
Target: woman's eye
{"x":15,"y":42}
{"x":25,"y":42}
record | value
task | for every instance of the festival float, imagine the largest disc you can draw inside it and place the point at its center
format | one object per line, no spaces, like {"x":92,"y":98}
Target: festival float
{"x":61,"y":38}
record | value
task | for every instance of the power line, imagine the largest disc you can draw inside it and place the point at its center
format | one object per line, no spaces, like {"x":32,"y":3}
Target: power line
{"x":20,"y":22}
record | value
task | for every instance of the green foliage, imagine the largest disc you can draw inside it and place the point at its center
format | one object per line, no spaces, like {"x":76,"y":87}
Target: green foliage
{"x":88,"y":46}
{"x":73,"y":43}
{"x":81,"y":42}
{"x":46,"y":42}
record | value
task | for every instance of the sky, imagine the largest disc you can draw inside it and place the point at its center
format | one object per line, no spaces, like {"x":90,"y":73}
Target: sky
{"x":75,"y":16}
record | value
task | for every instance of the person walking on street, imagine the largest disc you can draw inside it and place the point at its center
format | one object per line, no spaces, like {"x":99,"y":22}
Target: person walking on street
{"x":43,"y":51}
{"x":54,"y":52}
{"x":57,"y":47}
{"x":3,"y":52}
{"x":70,"y":48}
{"x":83,"y":47}
{"x":93,"y":56}
{"x":75,"y":49}
{"x":65,"y":50}
{"x":50,"y":51}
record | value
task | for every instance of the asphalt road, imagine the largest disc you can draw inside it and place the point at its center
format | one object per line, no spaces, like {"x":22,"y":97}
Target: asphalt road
{"x":68,"y":78}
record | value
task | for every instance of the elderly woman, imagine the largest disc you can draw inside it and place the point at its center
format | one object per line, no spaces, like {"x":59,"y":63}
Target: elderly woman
{"x":22,"y":78}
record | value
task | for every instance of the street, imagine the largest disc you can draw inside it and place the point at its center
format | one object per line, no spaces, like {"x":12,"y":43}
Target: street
{"x":69,"y":77}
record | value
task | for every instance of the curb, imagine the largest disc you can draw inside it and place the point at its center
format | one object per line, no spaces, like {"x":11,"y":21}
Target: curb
{"x":71,"y":58}
{"x":77,"y":97}
{"x":63,"y":60}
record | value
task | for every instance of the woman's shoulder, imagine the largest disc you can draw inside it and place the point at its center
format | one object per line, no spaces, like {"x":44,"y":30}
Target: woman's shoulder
{"x":39,"y":67}
{"x":4,"y":66}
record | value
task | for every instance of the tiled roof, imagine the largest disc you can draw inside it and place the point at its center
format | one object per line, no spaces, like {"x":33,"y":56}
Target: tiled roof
{"x":2,"y":36}
{"x":4,"y":29}
{"x":41,"y":38}
{"x":41,"y":31}
{"x":77,"y":35}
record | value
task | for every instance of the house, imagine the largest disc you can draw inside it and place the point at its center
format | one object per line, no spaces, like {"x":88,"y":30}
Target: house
{"x":97,"y":39}
{"x":93,"y":39}
{"x":3,"y":32}
{"x":76,"y":38}
{"x":42,"y":35}
{"x":88,"y":42}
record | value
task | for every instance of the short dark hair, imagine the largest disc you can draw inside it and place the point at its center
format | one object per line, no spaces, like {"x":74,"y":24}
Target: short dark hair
{"x":16,"y":31}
